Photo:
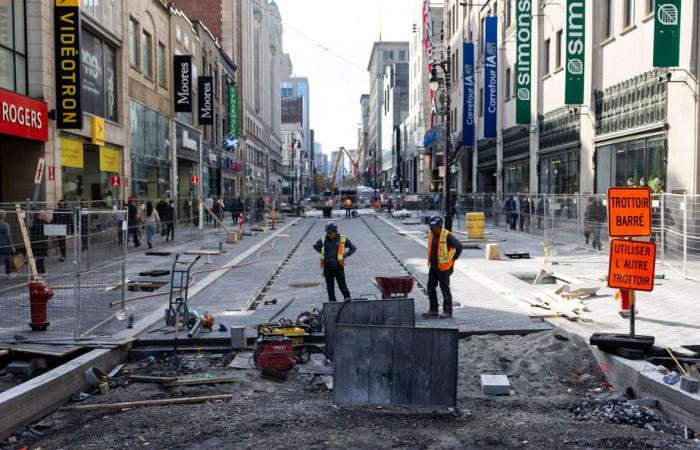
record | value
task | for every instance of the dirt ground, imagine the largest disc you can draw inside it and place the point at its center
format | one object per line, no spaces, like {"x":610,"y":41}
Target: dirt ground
{"x":560,"y":400}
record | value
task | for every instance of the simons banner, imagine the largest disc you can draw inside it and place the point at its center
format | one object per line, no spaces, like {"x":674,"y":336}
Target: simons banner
{"x":523,"y":87}
{"x":575,"y":51}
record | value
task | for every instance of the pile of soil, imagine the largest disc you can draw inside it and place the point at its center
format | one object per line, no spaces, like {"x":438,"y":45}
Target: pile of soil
{"x":548,"y":376}
{"x":546,"y":363}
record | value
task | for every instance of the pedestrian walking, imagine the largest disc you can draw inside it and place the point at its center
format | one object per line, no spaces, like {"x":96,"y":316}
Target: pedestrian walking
{"x":217,"y":209}
{"x":209,"y":201}
{"x":598,"y":216}
{"x":334,"y":250}
{"x":540,"y":212}
{"x":347,"y":204}
{"x":6,"y":247}
{"x":236,"y":210}
{"x":377,"y":207}
{"x":443,"y":250}
{"x":152,"y":223}
{"x":390,"y":205}
{"x":166,"y":213}
{"x":301,"y":208}
{"x":133,"y":221}
{"x":63,"y":216}
{"x":39,"y":241}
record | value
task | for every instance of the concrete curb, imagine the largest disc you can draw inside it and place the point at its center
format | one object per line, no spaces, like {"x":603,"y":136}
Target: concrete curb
{"x":39,"y":396}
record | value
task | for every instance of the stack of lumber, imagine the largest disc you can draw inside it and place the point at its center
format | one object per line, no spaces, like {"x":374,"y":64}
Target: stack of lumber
{"x":562,"y":302}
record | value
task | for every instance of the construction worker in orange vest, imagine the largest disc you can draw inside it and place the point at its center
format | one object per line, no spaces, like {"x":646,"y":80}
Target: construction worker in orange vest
{"x":348,"y":207}
{"x":443,"y":251}
{"x":334,"y":250}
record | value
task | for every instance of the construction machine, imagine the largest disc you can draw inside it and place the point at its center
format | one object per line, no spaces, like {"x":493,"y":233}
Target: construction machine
{"x":354,"y":159}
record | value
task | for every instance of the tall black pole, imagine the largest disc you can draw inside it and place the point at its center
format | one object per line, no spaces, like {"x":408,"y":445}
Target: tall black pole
{"x":294,"y":174}
{"x":448,"y":144}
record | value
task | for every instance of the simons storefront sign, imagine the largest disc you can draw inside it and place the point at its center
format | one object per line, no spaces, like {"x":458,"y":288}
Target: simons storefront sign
{"x":575,"y":51}
{"x":523,"y":62}
{"x":22,"y":116}
{"x":67,"y":53}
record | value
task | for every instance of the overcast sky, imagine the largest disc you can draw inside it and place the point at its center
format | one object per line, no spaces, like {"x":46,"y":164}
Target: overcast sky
{"x":347,"y":28}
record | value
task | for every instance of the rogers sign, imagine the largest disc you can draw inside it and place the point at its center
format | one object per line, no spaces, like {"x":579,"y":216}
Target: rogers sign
{"x":22,"y":116}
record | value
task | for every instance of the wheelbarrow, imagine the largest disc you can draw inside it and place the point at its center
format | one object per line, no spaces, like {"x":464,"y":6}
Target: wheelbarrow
{"x":394,"y":286}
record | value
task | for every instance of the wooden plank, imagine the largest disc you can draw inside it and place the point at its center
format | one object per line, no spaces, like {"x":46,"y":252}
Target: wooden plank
{"x":199,"y":381}
{"x":138,"y":404}
{"x":152,"y":379}
{"x":21,"y":217}
{"x":199,"y":199}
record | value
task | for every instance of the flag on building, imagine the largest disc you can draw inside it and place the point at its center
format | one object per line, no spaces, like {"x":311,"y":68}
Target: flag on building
{"x":230,"y":142}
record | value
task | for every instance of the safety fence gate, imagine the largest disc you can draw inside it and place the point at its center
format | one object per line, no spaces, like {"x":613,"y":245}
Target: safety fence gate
{"x":79,"y":255}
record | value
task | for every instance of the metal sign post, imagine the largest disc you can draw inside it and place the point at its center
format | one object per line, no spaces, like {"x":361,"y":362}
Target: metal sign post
{"x":631,"y":264}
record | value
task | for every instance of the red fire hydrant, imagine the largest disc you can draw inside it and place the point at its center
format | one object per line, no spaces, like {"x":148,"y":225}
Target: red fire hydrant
{"x":39,"y":295}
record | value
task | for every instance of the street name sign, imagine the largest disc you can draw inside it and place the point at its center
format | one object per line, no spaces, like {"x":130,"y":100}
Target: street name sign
{"x":631,"y":265}
{"x":629,"y":211}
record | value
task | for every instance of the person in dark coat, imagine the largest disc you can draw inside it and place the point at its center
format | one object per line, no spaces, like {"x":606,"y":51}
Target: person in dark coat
{"x":133,"y":221}
{"x":334,"y":249}
{"x":63,"y":216}
{"x":168,"y":220}
{"x":39,"y":242}
{"x":161,"y":208}
{"x":236,"y":210}
{"x":6,"y":247}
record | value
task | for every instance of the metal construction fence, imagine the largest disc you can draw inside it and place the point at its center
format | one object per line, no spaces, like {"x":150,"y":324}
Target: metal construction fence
{"x":80,"y":254}
{"x":581,"y":220}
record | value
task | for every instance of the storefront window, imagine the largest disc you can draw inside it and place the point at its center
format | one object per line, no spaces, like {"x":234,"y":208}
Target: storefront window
{"x":149,"y":143}
{"x":559,"y":173}
{"x":630,"y":161}
{"x":99,"y":84}
{"x":13,"y":49}
{"x":84,"y":178}
{"x":516,"y":177}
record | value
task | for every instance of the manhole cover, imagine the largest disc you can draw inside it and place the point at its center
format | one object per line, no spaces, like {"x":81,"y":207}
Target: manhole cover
{"x":303,"y":285}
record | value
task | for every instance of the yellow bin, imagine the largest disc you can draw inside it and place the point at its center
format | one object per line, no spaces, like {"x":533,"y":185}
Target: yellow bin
{"x":475,"y":225}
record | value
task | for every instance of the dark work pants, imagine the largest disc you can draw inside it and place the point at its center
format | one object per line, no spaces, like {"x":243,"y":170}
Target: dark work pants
{"x":436,"y":277}
{"x":62,"y":245}
{"x":335,"y":272}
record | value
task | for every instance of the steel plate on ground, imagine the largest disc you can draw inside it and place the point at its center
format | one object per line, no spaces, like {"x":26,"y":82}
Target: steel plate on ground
{"x":401,"y":311}
{"x":380,"y":365}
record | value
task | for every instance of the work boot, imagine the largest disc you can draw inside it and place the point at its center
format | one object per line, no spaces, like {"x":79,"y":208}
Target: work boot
{"x":431,"y":314}
{"x":446,"y":315}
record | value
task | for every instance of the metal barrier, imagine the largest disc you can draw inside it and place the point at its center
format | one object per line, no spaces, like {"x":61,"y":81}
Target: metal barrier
{"x":80,"y":254}
{"x":582,"y":220}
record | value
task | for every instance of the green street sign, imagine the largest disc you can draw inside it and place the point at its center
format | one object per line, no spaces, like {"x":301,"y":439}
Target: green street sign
{"x":233,"y":109}
{"x":667,"y":33}
{"x":575,"y":51}
{"x":523,"y":63}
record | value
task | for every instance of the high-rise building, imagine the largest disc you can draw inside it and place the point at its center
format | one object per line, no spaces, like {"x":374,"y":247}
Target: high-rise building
{"x":383,"y":53}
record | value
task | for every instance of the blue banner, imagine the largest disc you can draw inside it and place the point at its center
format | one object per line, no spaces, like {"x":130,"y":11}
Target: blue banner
{"x":468,"y":109}
{"x":490,"y":77}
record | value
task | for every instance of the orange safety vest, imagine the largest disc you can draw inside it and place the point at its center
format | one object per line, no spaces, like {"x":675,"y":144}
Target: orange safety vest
{"x":445,"y":256}
{"x":341,"y":250}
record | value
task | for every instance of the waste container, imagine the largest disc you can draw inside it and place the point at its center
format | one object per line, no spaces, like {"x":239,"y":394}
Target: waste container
{"x":475,"y":225}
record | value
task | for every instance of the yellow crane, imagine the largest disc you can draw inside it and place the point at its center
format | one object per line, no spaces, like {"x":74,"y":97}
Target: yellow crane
{"x":355,"y":160}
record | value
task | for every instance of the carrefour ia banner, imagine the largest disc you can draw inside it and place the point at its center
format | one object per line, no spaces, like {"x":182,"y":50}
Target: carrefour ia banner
{"x":490,"y":76}
{"x":575,"y":51}
{"x":468,"y":106}
{"x":523,"y":61}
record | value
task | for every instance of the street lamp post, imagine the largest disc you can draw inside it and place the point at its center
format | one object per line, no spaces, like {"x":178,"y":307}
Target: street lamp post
{"x":292,"y":170}
{"x":435,"y":83}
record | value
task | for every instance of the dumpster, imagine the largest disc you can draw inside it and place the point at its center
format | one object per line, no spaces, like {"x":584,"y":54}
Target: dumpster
{"x":475,"y":225}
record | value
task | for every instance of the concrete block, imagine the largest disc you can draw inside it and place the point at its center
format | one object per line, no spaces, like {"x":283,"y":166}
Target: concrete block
{"x":495,"y":384}
{"x":24,"y":368}
{"x":492,"y":252}
{"x":690,"y":384}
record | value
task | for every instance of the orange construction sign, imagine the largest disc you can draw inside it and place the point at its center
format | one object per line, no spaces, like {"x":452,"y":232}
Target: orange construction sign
{"x":631,"y":265}
{"x":629,"y":211}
